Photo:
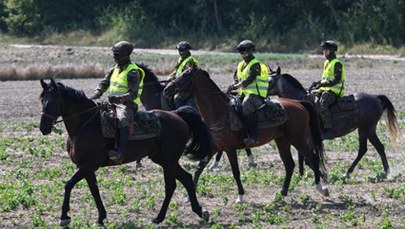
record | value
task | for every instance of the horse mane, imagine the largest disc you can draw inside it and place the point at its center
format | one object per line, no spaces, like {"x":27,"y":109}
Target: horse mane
{"x":150,"y":77}
{"x":73,"y":94}
{"x":207,"y":75}
{"x":293,"y":81}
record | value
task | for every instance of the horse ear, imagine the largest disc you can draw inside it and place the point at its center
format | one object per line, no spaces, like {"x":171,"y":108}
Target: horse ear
{"x":278,"y":70}
{"x":53,"y":83}
{"x":44,"y":85}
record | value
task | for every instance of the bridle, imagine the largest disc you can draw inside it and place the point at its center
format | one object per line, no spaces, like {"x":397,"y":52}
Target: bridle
{"x":60,"y":104}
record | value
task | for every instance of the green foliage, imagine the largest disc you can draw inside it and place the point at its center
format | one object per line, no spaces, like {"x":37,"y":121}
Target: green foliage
{"x":277,"y":25}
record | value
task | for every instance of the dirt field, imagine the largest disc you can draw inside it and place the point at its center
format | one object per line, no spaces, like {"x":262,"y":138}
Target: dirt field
{"x":364,"y":203}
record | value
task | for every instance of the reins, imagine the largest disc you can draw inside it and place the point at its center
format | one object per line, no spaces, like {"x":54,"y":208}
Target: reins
{"x":72,"y":116}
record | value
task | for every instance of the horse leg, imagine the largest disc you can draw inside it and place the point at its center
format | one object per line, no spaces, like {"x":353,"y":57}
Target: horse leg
{"x":284,"y":149}
{"x":186,"y":179}
{"x":216,"y":161}
{"x":233,"y":160}
{"x":92,"y":182}
{"x":138,"y":164}
{"x":360,"y":153}
{"x":170,"y":186}
{"x":197,"y":173}
{"x":78,"y":176}
{"x":375,"y":141}
{"x":250,"y":158}
{"x":301,"y":164}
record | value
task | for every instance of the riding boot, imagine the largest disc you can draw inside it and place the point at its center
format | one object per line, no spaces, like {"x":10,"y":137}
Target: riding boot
{"x":117,"y":155}
{"x":251,"y":127}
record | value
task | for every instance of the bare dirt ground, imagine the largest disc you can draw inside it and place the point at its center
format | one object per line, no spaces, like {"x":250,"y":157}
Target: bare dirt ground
{"x":19,"y":103}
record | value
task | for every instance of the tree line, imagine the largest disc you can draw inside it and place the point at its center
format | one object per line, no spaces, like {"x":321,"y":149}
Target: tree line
{"x":283,"y":25}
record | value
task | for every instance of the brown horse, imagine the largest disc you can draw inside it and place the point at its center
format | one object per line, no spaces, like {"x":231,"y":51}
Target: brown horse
{"x":151,"y":99}
{"x":88,"y":148}
{"x":301,"y":130}
{"x":370,"y":111}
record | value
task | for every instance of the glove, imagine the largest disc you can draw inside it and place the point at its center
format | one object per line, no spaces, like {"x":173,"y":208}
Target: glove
{"x":313,"y":85}
{"x":96,"y":94}
{"x":230,"y":89}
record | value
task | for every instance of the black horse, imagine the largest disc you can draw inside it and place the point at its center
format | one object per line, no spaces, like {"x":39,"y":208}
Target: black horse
{"x":370,"y":110}
{"x":88,"y":148}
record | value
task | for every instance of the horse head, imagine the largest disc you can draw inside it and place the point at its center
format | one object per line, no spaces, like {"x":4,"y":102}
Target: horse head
{"x":273,"y":80}
{"x":52,"y":106}
{"x":286,"y":86}
{"x":182,"y":82}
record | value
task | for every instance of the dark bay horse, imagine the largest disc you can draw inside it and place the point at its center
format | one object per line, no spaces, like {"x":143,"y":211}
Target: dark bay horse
{"x":88,"y":148}
{"x":300,"y":130}
{"x":150,"y":98}
{"x":370,"y":111}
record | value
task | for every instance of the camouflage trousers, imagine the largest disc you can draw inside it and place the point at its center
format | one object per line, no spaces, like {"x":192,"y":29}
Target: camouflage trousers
{"x":326,"y":100}
{"x":125,"y":114}
{"x":251,"y":103}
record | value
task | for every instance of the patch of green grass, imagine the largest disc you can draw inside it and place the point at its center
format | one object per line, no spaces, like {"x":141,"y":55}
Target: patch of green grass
{"x":397,"y":193}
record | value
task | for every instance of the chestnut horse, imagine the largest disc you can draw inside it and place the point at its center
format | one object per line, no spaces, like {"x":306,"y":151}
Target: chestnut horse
{"x":370,"y":111}
{"x":88,"y":148}
{"x":301,"y":130}
{"x":150,"y":98}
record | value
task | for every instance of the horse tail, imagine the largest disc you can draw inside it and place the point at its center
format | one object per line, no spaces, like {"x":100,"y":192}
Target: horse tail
{"x":316,"y":136}
{"x":201,"y":144}
{"x":391,"y":117}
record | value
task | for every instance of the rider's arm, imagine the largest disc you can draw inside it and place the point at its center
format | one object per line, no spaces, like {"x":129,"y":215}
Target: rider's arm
{"x":105,"y":82}
{"x":337,"y":76}
{"x":134,"y":79}
{"x":253,"y":73}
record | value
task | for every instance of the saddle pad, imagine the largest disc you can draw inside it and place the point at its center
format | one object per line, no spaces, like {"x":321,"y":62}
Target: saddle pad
{"x":270,"y":114}
{"x":146,"y":125}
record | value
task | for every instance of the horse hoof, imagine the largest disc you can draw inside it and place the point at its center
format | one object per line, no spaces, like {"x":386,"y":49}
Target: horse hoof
{"x":322,"y":189}
{"x":205,"y":215}
{"x":239,"y":200}
{"x":64,"y":223}
{"x":98,"y":225}
{"x":326,"y":192}
{"x":346,"y":176}
{"x":138,"y":165}
{"x":155,"y":221}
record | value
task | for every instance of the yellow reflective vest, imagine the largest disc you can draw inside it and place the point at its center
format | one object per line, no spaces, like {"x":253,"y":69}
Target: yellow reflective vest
{"x":257,"y":87}
{"x":119,"y":82}
{"x":184,"y":62}
{"x":328,"y":74}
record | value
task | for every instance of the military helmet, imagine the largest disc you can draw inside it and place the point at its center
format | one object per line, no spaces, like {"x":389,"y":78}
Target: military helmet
{"x":183,"y":45}
{"x":122,"y":48}
{"x":331,"y":45}
{"x":246,"y":45}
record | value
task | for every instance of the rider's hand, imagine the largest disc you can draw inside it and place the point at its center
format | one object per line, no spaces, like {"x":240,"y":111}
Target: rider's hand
{"x":313,"y":85}
{"x":96,"y":94}
{"x":230,"y":89}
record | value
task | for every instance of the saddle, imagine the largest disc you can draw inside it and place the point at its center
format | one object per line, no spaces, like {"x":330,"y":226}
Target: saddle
{"x":344,"y":106}
{"x":145,"y":124}
{"x":270,"y":114}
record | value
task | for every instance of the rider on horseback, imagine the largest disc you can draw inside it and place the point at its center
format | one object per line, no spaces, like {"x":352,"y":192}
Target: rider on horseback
{"x":186,"y":60}
{"x":331,"y":85}
{"x":124,"y":82}
{"x":251,"y":78}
